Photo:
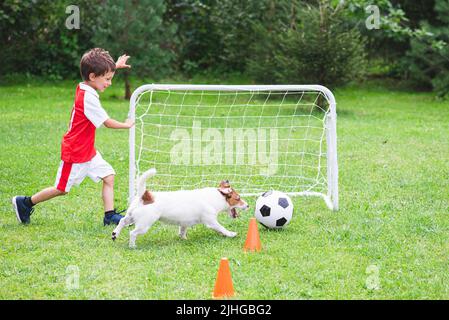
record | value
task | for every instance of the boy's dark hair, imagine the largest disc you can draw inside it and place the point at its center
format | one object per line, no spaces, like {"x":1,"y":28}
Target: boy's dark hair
{"x":97,"y":61}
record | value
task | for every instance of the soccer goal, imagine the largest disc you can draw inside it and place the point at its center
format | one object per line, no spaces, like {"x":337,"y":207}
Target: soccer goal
{"x":267,"y":137}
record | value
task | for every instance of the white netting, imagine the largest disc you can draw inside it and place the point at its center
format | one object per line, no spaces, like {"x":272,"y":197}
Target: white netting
{"x":258,"y":139}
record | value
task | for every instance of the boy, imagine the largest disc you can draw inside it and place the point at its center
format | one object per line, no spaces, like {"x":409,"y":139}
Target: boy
{"x":78,"y":155}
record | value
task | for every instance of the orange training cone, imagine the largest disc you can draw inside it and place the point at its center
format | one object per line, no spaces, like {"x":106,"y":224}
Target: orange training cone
{"x":252,"y":242}
{"x":223,"y":284}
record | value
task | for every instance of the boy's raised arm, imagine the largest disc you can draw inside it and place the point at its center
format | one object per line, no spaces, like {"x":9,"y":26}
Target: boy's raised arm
{"x":121,"y":62}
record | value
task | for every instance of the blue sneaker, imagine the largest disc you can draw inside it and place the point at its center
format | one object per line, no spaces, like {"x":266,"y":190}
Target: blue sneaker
{"x":113,"y":217}
{"x":23,"y":212}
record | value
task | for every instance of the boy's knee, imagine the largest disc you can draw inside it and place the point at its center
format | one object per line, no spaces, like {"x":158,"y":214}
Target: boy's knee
{"x":61,"y":193}
{"x":109,"y":179}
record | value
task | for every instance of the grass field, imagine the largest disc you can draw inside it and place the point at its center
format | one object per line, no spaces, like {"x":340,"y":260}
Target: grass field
{"x":389,"y":240}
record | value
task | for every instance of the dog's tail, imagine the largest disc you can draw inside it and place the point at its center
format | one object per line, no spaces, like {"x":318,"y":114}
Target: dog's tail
{"x":141,"y":188}
{"x":142,"y":185}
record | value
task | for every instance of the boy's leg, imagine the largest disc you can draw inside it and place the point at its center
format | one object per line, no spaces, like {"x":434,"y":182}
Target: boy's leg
{"x":110,"y":215}
{"x":68,"y":175}
{"x":46,"y":194}
{"x":108,"y":193}
{"x":23,"y":206}
{"x":99,"y":169}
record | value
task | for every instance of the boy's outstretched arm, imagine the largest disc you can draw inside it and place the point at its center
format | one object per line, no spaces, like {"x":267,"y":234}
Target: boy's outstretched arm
{"x":114,"y":124}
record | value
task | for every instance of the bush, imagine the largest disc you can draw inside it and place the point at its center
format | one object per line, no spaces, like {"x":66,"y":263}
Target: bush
{"x":139,"y":30}
{"x":214,"y":34}
{"x":427,"y":63}
{"x":318,"y":47}
{"x":36,"y":41}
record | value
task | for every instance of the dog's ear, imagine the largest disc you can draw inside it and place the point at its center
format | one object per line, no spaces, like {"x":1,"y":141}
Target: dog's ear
{"x":226,"y":191}
{"x":147,"y":197}
{"x":225,"y":184}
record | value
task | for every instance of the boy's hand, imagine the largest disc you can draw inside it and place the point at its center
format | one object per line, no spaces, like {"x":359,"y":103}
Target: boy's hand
{"x":129,"y":122}
{"x":121,"y":62}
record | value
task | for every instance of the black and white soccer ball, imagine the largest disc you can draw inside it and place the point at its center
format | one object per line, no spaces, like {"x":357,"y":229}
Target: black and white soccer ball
{"x":274,"y":209}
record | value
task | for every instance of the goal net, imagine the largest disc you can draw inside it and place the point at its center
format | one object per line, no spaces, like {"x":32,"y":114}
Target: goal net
{"x":277,"y":137}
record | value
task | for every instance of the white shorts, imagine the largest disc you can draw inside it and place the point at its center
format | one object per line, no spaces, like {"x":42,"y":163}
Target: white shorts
{"x":70,"y":174}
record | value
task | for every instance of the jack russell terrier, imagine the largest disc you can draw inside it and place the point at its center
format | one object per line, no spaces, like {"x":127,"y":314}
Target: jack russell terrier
{"x":184,"y":208}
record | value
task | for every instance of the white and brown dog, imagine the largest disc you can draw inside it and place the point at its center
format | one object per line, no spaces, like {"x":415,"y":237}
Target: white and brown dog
{"x":184,"y":208}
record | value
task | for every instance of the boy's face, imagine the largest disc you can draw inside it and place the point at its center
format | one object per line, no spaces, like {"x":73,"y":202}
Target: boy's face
{"x":100,"y":83}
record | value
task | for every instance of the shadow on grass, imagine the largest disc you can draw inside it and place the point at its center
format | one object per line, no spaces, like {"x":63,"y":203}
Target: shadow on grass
{"x":162,"y":237}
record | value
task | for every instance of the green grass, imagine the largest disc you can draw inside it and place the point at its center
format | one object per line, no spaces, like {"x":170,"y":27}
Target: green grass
{"x":393,"y":158}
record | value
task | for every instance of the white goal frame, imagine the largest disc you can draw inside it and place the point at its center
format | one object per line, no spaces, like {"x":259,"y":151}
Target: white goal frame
{"x":331,"y":197}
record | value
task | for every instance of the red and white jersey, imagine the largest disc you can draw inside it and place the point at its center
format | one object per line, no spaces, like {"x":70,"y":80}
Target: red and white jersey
{"x":87,"y":114}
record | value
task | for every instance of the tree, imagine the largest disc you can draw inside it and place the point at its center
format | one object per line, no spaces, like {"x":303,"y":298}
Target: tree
{"x":198,"y":42}
{"x":428,"y":63}
{"x":213,"y":34}
{"x":315,"y":45}
{"x":233,"y":22}
{"x":36,"y":41}
{"x":401,"y":24}
{"x":137,"y":28}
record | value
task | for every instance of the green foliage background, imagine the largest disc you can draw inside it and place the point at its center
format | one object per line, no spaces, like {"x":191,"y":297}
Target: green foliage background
{"x":298,"y":41}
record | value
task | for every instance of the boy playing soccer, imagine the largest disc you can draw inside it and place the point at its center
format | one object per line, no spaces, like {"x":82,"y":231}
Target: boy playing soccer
{"x":78,"y":155}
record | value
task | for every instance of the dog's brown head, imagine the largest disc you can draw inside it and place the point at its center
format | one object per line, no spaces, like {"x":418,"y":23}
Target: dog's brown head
{"x":232,"y":198}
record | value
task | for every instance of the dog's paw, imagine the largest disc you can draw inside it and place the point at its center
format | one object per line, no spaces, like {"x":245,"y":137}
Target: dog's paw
{"x":114,"y":236}
{"x":231,"y":234}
